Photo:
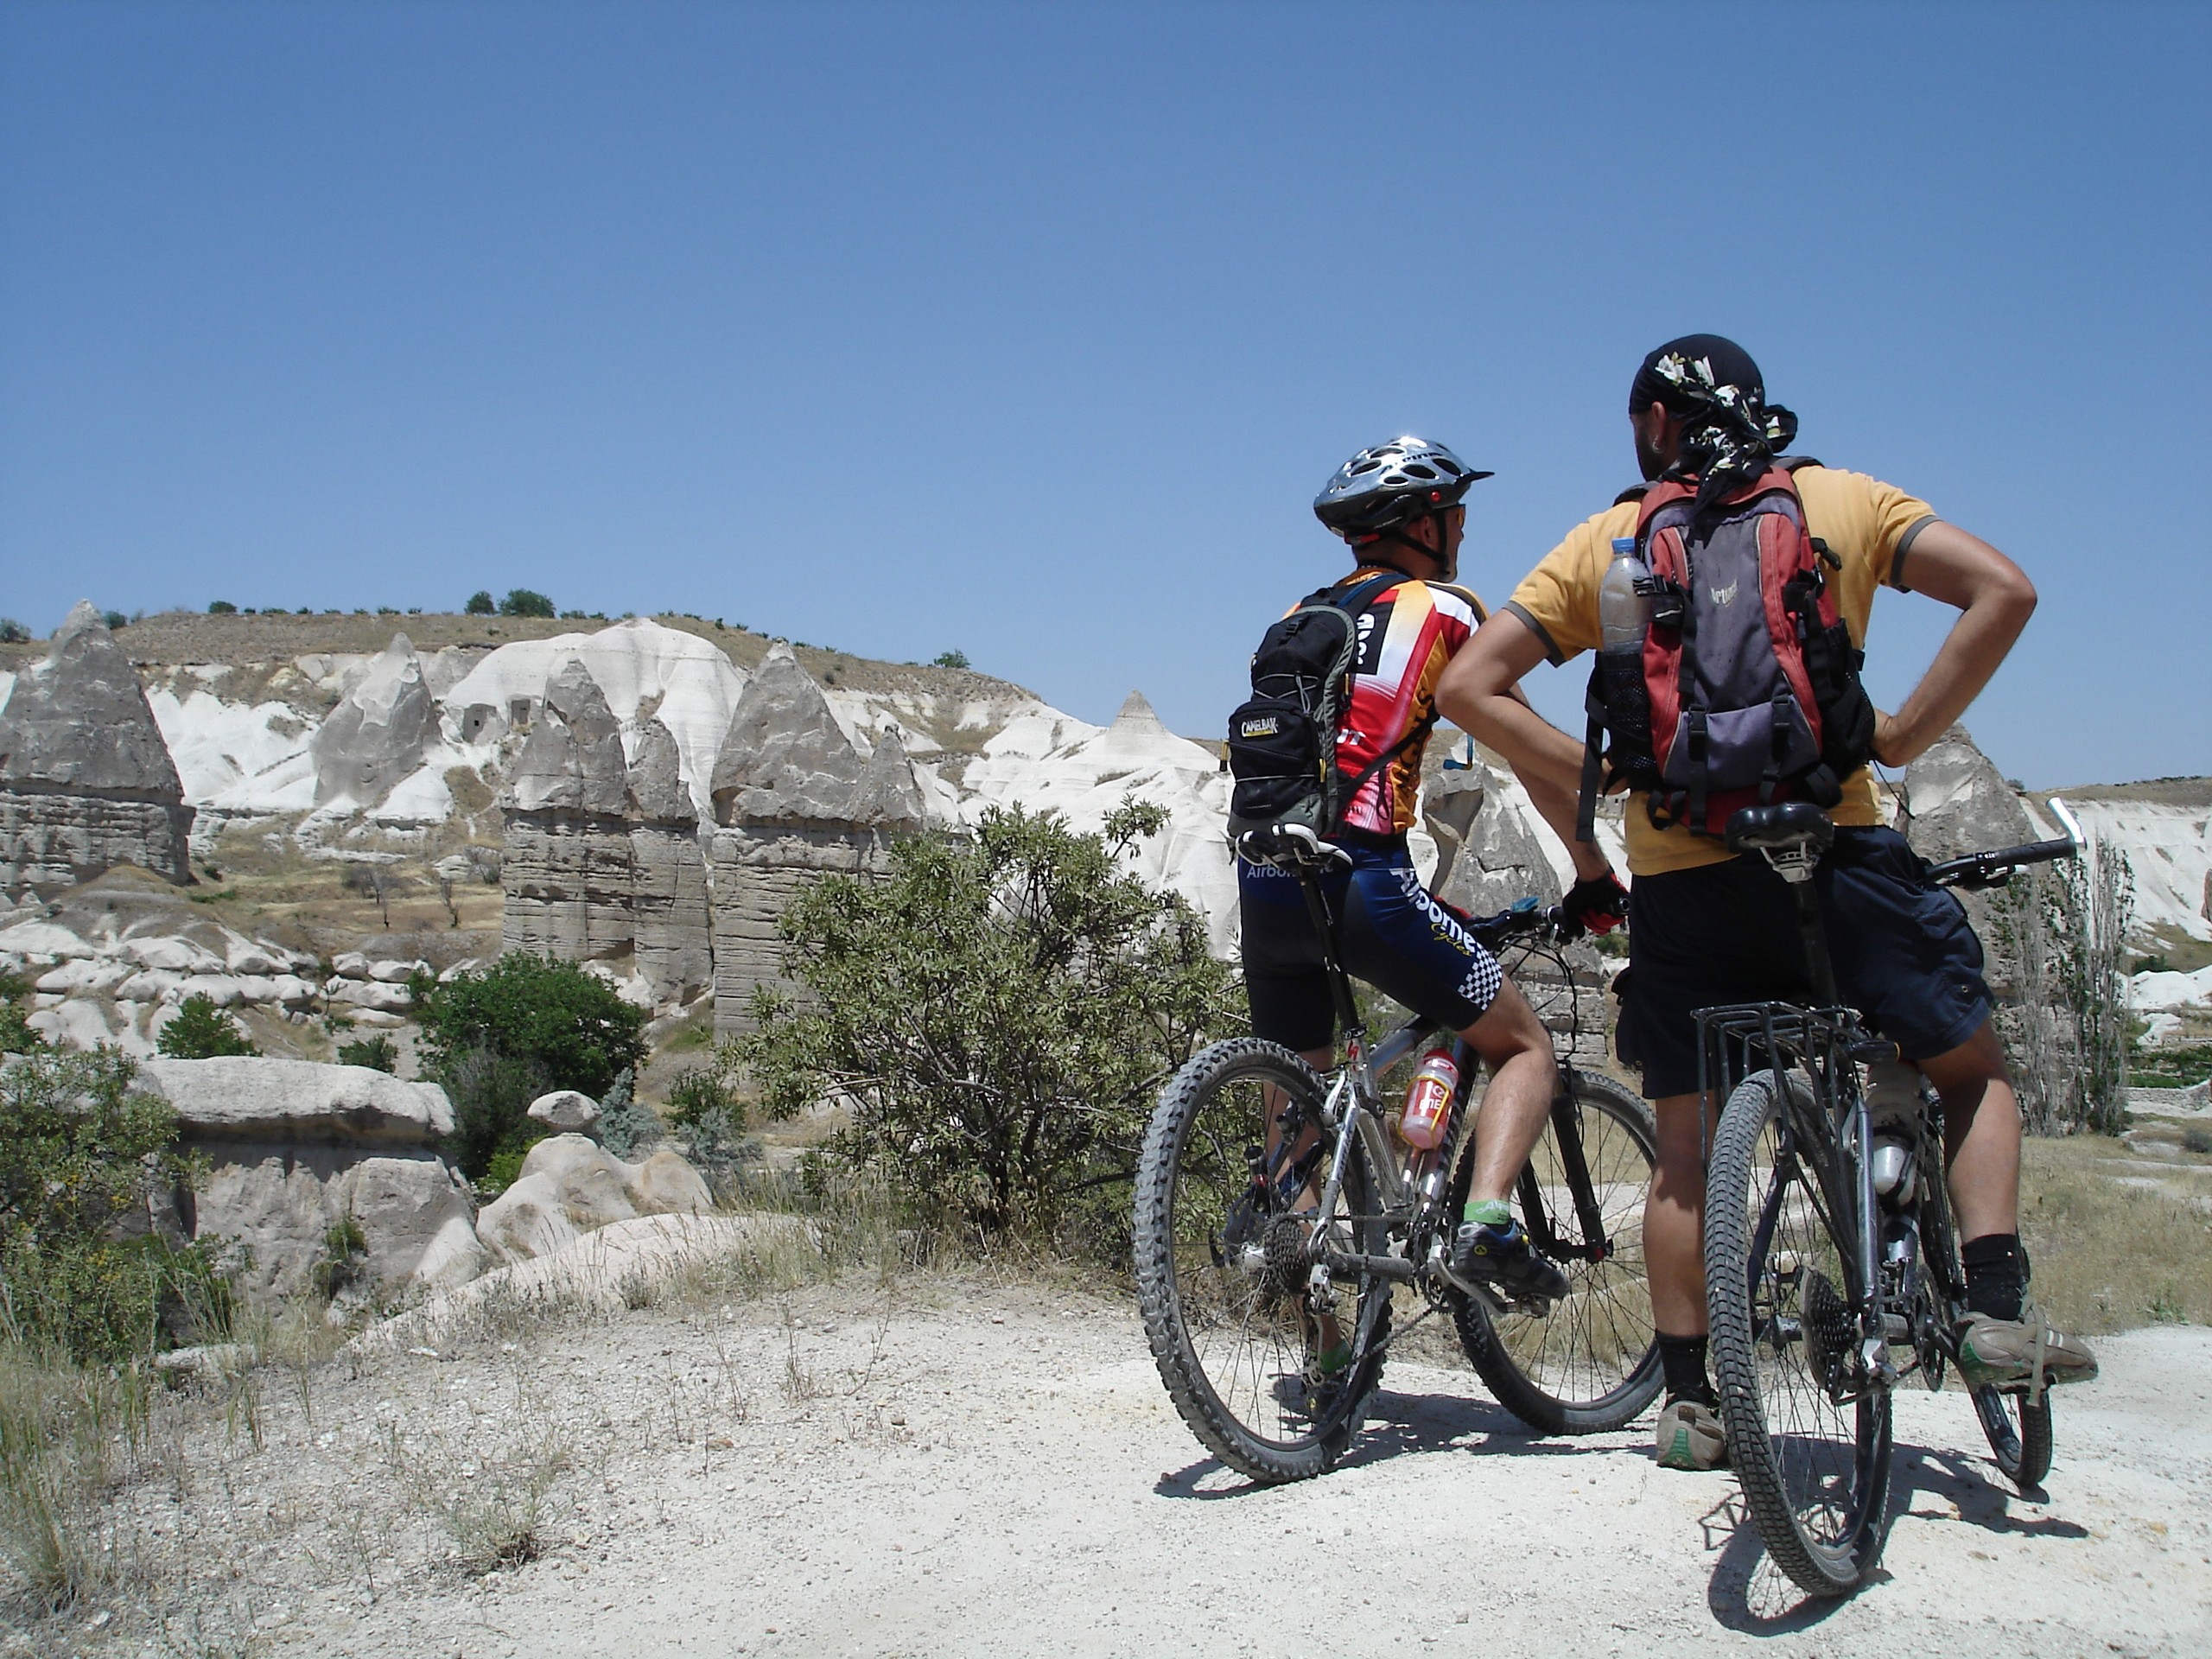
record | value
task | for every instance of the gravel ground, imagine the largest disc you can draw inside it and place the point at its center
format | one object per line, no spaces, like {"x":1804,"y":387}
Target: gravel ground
{"x":992,"y":1467}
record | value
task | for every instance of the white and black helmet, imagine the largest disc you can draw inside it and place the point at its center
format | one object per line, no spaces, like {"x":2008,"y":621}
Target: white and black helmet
{"x":1392,"y":484}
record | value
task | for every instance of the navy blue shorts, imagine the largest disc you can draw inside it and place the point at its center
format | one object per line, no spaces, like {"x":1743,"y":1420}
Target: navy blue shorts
{"x":1390,"y":932}
{"x":1905,"y":954}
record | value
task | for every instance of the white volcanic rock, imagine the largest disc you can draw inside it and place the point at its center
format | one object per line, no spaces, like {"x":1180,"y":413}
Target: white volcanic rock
{"x":222,"y":746}
{"x":2170,"y":991}
{"x":2168,"y":845}
{"x":1955,"y":801}
{"x":299,"y":1102}
{"x":1048,"y":761}
{"x":566,"y":1111}
{"x":569,"y":1182}
{"x":375,"y":736}
{"x":696,"y":684}
{"x":573,"y":760}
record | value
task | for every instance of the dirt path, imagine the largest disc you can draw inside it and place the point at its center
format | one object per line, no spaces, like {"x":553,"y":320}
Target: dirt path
{"x":1001,"y":1473}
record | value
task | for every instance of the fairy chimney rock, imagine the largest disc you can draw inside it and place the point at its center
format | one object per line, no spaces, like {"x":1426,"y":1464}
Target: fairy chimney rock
{"x":376,"y":735}
{"x":86,"y":780}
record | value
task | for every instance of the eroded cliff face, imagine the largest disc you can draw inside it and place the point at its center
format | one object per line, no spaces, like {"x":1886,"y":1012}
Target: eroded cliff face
{"x":87,"y":782}
{"x":599,"y":855}
{"x":795,"y":801}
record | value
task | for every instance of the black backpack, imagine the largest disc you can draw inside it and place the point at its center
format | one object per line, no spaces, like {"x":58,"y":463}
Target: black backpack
{"x":1282,"y":739}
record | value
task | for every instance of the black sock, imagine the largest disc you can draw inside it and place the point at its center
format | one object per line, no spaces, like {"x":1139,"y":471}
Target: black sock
{"x":1997,"y":1274}
{"x":1684,"y":1360}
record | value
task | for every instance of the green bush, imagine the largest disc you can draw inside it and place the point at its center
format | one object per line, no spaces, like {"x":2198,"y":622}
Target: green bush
{"x":479,"y":604}
{"x":221,"y":608}
{"x":116,"y":621}
{"x":556,"y":1016}
{"x":950,"y":660}
{"x":200,"y":1031}
{"x":82,"y":1154}
{"x":13,"y":633}
{"x":16,"y":1036}
{"x":379,"y":1052}
{"x":699,"y":1092}
{"x":491,"y":1094}
{"x":998,"y":1014}
{"x":523,"y":601}
{"x":624,"y":1125}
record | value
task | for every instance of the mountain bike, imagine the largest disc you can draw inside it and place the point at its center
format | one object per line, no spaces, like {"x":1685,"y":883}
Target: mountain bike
{"x":1277,"y":1212}
{"x":1831,"y":1260}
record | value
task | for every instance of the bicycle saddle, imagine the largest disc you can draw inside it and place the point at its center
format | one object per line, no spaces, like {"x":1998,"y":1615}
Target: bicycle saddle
{"x":1787,"y":826}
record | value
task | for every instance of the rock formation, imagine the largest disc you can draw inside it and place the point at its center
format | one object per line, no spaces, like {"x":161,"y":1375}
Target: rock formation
{"x":296,"y":1148}
{"x":569,"y":1183}
{"x":565,"y":854}
{"x":601,"y":854}
{"x":376,"y":735}
{"x":796,"y":802}
{"x":1494,"y":856}
{"x":87,"y":782}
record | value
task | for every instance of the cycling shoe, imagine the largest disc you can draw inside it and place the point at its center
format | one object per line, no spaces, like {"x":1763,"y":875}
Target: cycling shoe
{"x":1504,"y":1257}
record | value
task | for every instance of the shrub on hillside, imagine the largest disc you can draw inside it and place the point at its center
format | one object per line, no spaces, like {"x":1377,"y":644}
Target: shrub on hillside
{"x":221,"y":608}
{"x":950,"y":659}
{"x":13,"y":633}
{"x":16,"y":1036}
{"x":997,"y":1013}
{"x":116,"y":621}
{"x":200,"y":1031}
{"x":379,"y":1052}
{"x":82,"y":1153}
{"x":497,"y":1037}
{"x":523,"y":601}
{"x":479,"y":604}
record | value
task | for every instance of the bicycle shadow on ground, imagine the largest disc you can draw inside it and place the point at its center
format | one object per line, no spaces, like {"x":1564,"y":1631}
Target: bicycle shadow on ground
{"x":1397,"y":1424}
{"x":1748,"y":1593}
{"x":1978,"y":1497}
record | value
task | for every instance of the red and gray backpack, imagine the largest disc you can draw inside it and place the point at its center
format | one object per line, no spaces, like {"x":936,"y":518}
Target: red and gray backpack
{"x":1747,"y":688}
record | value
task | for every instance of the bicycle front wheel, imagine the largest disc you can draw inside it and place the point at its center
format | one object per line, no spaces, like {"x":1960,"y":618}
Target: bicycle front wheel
{"x":1810,"y":1442}
{"x":1242,"y":1338}
{"x":1591,"y":1363}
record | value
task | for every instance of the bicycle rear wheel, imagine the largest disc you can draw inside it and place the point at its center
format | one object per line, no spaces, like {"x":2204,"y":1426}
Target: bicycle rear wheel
{"x":1810,"y":1446}
{"x":1591,"y":1363}
{"x":1222,"y":1280}
{"x":2018,"y":1429}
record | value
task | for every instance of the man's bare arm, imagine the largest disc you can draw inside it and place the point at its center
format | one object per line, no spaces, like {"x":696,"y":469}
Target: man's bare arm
{"x":1479,"y":693}
{"x":1995,"y":600}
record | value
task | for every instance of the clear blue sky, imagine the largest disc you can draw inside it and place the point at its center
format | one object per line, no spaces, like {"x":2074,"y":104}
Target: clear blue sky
{"x":1031,"y":330}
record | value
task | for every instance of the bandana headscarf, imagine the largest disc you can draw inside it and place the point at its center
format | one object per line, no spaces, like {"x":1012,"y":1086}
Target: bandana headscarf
{"x":1730,"y":432}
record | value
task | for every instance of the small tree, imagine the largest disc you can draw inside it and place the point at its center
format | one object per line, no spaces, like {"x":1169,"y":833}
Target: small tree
{"x":523,"y":601}
{"x":16,"y":1036}
{"x":2099,"y":901}
{"x":13,"y":633}
{"x":997,"y":1013}
{"x":221,"y":608}
{"x":499,"y":1038}
{"x":200,"y":1031}
{"x":116,"y":621}
{"x":82,"y":1154}
{"x":950,"y":659}
{"x":479,"y":604}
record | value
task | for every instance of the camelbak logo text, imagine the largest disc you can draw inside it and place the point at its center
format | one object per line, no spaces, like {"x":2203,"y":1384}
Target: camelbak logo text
{"x":1266,"y":727}
{"x":1722,"y":596}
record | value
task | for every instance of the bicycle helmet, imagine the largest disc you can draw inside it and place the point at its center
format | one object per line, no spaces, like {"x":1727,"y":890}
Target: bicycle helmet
{"x":1380,"y":489}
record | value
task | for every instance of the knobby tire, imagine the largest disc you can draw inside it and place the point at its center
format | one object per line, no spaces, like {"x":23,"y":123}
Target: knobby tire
{"x":1591,"y":1364}
{"x":1232,"y":1345}
{"x":1815,"y":1472}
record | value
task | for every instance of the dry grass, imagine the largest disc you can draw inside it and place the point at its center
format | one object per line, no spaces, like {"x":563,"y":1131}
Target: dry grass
{"x":2120,"y":1236}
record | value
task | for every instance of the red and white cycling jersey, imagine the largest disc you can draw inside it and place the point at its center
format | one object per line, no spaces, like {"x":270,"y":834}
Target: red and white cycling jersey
{"x":1406,"y":636}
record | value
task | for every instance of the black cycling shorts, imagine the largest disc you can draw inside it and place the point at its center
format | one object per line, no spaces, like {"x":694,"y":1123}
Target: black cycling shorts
{"x":1390,"y":932}
{"x":1905,"y":954}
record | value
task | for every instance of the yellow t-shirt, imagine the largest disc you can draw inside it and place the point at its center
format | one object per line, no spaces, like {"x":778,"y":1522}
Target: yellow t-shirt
{"x":1866,"y":524}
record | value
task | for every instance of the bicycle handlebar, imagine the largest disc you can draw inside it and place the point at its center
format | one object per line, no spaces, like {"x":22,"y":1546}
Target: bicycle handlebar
{"x":1992,"y":869}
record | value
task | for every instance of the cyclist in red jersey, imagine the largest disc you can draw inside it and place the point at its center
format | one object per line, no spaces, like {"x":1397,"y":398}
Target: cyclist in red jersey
{"x":1398,"y":506}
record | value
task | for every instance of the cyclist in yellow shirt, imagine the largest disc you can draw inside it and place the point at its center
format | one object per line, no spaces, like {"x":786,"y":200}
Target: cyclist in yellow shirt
{"x":1707,"y":927}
